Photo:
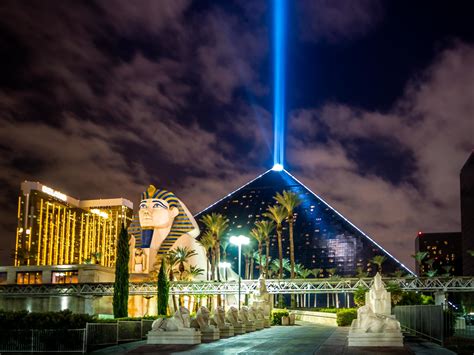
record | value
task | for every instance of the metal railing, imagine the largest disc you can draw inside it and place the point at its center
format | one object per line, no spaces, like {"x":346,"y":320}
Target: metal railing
{"x":427,"y":321}
{"x":286,"y":286}
{"x":43,"y":340}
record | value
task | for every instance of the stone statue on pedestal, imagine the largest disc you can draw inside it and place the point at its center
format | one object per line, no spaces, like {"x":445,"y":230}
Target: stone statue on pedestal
{"x":175,"y":330}
{"x":375,"y":326}
{"x":226,"y":329}
{"x":256,"y":318}
{"x":232,"y":317}
{"x":201,"y":322}
{"x":244,"y":317}
{"x":263,"y":300}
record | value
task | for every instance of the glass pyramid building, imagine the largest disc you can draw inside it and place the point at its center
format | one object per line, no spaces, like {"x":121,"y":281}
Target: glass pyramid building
{"x":323,"y":237}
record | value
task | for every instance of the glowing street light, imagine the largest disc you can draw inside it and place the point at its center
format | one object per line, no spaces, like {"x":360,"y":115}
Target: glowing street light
{"x":225,"y":265}
{"x":239,"y":241}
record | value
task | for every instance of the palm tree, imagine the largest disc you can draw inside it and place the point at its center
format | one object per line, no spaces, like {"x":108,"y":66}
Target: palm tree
{"x":208,"y":243}
{"x":447,"y":268}
{"x":331,"y":272}
{"x":248,"y":254}
{"x":182,"y":256}
{"x":266,"y":227}
{"x":224,"y":245}
{"x":217,"y":224}
{"x":316,"y":272}
{"x":379,"y":260}
{"x":277,"y":214}
{"x":360,"y":273}
{"x":289,"y":200}
{"x":257,"y":234}
{"x":194,"y":271}
{"x":419,"y":257}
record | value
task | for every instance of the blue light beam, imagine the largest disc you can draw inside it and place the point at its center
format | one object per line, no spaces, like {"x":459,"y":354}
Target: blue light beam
{"x":279,"y":27}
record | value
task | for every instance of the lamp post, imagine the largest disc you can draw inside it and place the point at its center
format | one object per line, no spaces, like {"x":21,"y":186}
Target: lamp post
{"x":239,"y":241}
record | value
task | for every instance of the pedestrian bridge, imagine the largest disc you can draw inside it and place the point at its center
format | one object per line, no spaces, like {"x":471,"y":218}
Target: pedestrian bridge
{"x":285,"y":286}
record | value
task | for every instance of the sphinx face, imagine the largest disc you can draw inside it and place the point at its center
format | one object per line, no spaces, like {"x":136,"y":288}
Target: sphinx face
{"x":156,"y":213}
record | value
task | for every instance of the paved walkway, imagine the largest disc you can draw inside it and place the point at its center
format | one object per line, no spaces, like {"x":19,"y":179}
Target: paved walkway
{"x":304,"y":338}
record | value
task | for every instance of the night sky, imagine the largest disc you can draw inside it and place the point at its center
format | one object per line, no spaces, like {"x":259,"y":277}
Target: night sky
{"x":100,"y":98}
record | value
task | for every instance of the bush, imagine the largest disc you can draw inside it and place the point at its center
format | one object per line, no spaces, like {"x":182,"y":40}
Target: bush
{"x":277,"y":314}
{"x":346,"y":316}
{"x":359,"y":296}
{"x":48,"y":320}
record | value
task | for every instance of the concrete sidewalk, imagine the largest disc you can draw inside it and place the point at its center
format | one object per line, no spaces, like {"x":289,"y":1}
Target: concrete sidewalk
{"x":304,"y":338}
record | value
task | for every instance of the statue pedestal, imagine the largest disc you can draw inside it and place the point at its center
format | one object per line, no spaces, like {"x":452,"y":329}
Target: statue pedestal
{"x":258,"y":324}
{"x":375,"y":326}
{"x":249,"y":326}
{"x":240,"y":329}
{"x":210,"y":334}
{"x":173,"y":337}
{"x":387,"y":338}
{"x":266,"y":323}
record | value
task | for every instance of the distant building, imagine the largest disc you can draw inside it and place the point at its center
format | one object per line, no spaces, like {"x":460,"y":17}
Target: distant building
{"x":56,"y":229}
{"x":444,"y":252}
{"x":467,"y":214}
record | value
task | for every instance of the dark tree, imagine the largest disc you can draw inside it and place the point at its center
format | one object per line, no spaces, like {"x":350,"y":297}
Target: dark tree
{"x":163,"y":289}
{"x":120,"y":301}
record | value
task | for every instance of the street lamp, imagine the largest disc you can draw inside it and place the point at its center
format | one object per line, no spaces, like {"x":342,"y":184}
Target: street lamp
{"x":239,"y":241}
{"x":225,"y":265}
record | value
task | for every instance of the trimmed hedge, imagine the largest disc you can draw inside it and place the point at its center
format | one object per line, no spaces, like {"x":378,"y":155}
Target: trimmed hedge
{"x":277,"y":314}
{"x":345,"y":316}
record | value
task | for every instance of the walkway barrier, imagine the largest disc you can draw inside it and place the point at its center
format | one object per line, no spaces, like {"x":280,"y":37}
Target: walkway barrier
{"x":43,"y":340}
{"x":427,"y":321}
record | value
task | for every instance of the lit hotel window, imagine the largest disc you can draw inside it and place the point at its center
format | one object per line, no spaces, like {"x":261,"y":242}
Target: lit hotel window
{"x":65,"y":277}
{"x":28,"y":278}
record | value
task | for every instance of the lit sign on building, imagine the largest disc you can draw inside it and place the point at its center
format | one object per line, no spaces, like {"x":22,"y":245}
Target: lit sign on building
{"x":54,"y":193}
{"x":100,"y":213}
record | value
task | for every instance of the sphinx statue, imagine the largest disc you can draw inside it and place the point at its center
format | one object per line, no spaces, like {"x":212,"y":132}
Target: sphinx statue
{"x":259,"y":317}
{"x":163,"y":223}
{"x":226,"y":329}
{"x":263,"y":300}
{"x":208,"y":332}
{"x":255,"y":317}
{"x":174,"y":330}
{"x":245,"y":318}
{"x":375,"y":326}
{"x":232,"y":316}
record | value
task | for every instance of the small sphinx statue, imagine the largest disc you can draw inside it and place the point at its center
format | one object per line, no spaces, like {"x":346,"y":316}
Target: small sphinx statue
{"x":201,"y":322}
{"x":375,"y":326}
{"x":259,"y":317}
{"x":232,"y":316}
{"x":245,"y":318}
{"x":226,"y":329}
{"x":254,"y":317}
{"x":174,"y":330}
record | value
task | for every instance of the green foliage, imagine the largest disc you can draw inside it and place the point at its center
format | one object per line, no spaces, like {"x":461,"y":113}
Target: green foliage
{"x":120,"y":299}
{"x":163,"y":289}
{"x":49,"y":320}
{"x":412,"y":298}
{"x":359,"y":296}
{"x":277,"y":314}
{"x":345,"y":316}
{"x":396,"y":292}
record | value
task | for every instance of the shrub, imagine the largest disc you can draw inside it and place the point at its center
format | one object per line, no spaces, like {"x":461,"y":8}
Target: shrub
{"x":277,"y":314}
{"x":359,"y":296}
{"x":47,"y":320}
{"x":345,"y":316}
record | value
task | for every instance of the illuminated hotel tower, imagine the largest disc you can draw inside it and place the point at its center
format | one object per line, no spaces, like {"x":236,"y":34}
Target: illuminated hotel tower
{"x":55,"y":229}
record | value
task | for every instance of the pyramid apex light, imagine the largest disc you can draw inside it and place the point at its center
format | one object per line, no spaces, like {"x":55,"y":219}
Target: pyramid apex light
{"x":277,"y":167}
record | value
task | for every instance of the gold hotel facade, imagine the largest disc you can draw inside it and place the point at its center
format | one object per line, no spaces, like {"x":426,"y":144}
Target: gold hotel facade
{"x":56,"y":229}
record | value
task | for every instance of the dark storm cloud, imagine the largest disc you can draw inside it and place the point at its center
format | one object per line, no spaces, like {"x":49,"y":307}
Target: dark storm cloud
{"x":99,"y":99}
{"x":433,"y":122}
{"x":337,"y":20}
